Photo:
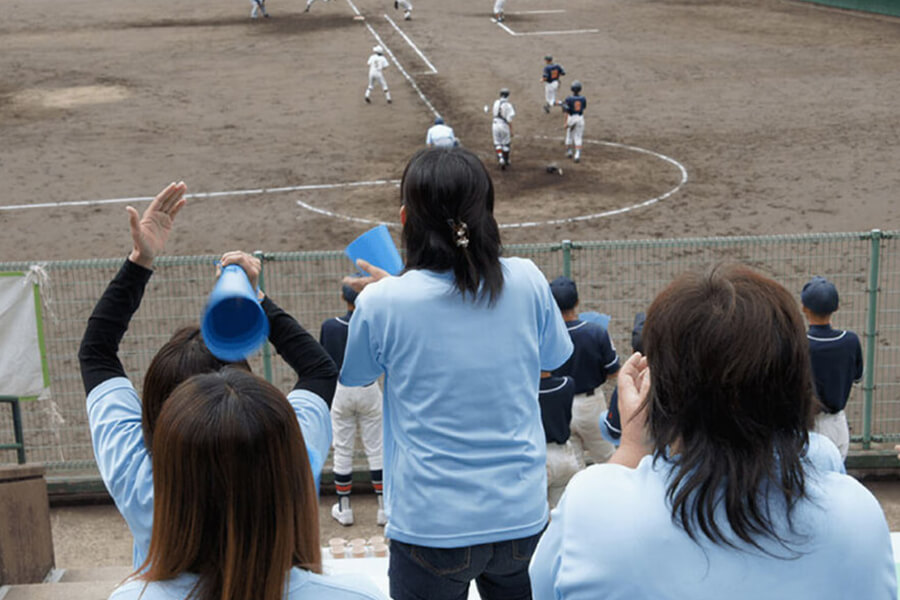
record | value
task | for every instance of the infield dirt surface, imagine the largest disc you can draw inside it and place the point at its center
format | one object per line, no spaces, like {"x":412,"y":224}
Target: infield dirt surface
{"x":783,"y":114}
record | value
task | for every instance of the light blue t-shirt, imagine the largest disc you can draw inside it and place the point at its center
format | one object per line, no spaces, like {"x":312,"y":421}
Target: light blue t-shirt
{"x":464,"y":451}
{"x":302,"y":585}
{"x":612,"y":537}
{"x":114,"y":417}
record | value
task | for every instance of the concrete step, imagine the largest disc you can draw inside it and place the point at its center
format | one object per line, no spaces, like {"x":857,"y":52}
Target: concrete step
{"x":103,"y":574}
{"x":77,"y":590}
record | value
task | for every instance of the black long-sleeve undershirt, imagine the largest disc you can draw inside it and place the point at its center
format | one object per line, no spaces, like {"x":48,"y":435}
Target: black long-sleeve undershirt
{"x":98,"y":354}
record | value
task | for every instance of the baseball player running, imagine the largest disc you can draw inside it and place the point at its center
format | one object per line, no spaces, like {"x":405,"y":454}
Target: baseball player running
{"x":499,"y":5}
{"x":552,"y":73}
{"x":407,"y":8}
{"x":310,"y":3}
{"x":574,"y":106}
{"x":503,"y":112}
{"x":377,"y":63}
{"x":441,"y":135}
{"x":259,"y":6}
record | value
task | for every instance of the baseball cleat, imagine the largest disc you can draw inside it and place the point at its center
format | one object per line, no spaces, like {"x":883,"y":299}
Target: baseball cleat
{"x":368,"y":100}
{"x":396,"y":5}
{"x":344,"y":517}
{"x":407,"y":16}
{"x":569,"y":153}
{"x":389,"y":101}
{"x":546,"y":108}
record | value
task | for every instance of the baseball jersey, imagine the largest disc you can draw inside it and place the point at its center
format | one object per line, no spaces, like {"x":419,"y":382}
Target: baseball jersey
{"x":553,"y":72}
{"x":841,"y":543}
{"x":377,"y":63}
{"x":503,"y":110}
{"x":114,"y":419}
{"x":464,"y":450}
{"x":333,"y":337}
{"x":556,"y":396}
{"x":594,"y":357}
{"x":837,"y":362}
{"x":441,"y":136}
{"x":574,"y":105}
{"x":300,"y":585}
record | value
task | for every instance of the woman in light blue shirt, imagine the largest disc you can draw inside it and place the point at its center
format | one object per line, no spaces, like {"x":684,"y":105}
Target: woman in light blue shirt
{"x":461,"y":338}
{"x":713,"y":492}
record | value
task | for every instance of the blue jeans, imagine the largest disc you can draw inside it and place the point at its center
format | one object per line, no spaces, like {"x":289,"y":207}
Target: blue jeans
{"x":500,"y":570}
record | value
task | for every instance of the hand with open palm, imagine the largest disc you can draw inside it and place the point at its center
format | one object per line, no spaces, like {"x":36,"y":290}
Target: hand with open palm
{"x":150,"y":231}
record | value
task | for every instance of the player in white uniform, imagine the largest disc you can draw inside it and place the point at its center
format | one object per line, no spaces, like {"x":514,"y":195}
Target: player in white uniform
{"x":502,"y":113}
{"x":441,"y":135}
{"x":377,"y":63}
{"x":407,"y":8}
{"x":259,"y":6}
{"x":310,"y":3}
{"x":499,"y":5}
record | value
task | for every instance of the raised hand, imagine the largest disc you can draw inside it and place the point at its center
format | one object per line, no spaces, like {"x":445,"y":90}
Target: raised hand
{"x":375,"y":273}
{"x":634,"y":387}
{"x":251,"y":265}
{"x":150,"y":231}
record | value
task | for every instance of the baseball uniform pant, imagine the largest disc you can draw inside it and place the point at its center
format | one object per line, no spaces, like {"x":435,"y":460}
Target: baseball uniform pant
{"x":835,"y":428}
{"x":561,"y":466}
{"x":405,"y":5}
{"x":352,"y":406}
{"x":379,"y":79}
{"x":586,"y":439}
{"x":498,"y":6}
{"x":574,"y":130}
{"x":502,"y":138}
{"x":550,"y":88}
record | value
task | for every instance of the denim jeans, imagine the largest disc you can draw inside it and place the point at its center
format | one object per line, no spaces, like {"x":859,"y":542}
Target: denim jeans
{"x":500,"y":570}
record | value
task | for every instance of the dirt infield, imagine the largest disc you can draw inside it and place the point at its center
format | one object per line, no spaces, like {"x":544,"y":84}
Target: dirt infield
{"x":784,"y":116}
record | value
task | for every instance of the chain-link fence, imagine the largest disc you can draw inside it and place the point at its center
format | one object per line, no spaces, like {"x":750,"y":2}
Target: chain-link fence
{"x":615,"y":277}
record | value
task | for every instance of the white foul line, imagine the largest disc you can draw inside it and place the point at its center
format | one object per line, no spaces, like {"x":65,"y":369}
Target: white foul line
{"x":399,"y":66}
{"x":537,"y":12}
{"x":504,"y":27}
{"x":608,"y":213}
{"x":520,"y":33}
{"x":198,"y":195}
{"x":412,"y":45}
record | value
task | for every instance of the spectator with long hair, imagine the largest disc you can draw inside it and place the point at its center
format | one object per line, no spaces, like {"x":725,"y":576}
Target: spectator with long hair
{"x":235,"y":511}
{"x":461,"y":336}
{"x":122,"y":424}
{"x":710,"y":494}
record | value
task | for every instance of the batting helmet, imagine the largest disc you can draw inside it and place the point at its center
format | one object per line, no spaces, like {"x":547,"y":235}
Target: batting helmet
{"x":576,"y":86}
{"x":504,"y":92}
{"x":439,"y":121}
{"x":548,"y":58}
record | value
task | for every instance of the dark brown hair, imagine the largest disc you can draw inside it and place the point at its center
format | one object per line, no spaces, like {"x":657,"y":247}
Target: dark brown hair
{"x":450,"y":225}
{"x":183,"y":356}
{"x":234,"y":498}
{"x":731,"y":389}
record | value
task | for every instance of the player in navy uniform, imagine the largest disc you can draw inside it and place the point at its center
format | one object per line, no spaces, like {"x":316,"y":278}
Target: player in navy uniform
{"x":837,"y":360}
{"x":556,"y":395}
{"x":352,"y":406}
{"x":592,"y":362}
{"x":550,"y":77}
{"x":573,"y":106}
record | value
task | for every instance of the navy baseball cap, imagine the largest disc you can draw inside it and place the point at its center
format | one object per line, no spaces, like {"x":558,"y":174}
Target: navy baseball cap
{"x":349,"y":294}
{"x":820,"y":296}
{"x":564,"y":292}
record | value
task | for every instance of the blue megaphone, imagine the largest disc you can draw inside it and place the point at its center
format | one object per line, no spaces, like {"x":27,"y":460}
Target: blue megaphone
{"x":234,"y":324}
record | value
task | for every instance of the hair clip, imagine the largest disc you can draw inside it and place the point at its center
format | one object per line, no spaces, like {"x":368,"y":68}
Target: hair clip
{"x":460,"y":232}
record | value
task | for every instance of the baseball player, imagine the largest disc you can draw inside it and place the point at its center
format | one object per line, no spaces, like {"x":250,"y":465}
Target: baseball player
{"x":259,"y":6}
{"x":407,"y":8}
{"x":440,"y":135}
{"x":352,"y":406}
{"x":310,"y":3}
{"x":502,"y":112}
{"x":499,"y":5}
{"x":552,"y":73}
{"x":574,"y":106}
{"x":377,"y":63}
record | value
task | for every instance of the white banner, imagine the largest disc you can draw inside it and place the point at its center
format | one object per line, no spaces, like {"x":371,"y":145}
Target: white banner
{"x":21,"y":371}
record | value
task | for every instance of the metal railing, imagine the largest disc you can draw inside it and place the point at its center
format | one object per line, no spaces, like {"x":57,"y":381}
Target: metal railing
{"x":616,"y":277}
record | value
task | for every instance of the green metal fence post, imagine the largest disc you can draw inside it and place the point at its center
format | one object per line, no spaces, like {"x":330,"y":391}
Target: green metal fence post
{"x":567,"y":258}
{"x":267,"y":350}
{"x":17,"y":428}
{"x":871,"y":332}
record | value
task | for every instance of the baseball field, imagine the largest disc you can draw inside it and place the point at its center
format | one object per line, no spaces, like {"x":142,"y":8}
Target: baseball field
{"x":704,"y":117}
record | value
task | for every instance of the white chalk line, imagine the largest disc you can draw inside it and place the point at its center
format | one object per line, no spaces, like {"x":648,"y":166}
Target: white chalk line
{"x":201,"y":195}
{"x":411,"y":81}
{"x":505,"y":28}
{"x":607,"y":213}
{"x":412,"y":45}
{"x":538,"y":12}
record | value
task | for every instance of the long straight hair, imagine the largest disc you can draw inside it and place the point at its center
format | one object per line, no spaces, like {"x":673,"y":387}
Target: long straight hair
{"x":450,"y":225}
{"x":731,"y":388}
{"x":234,"y":498}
